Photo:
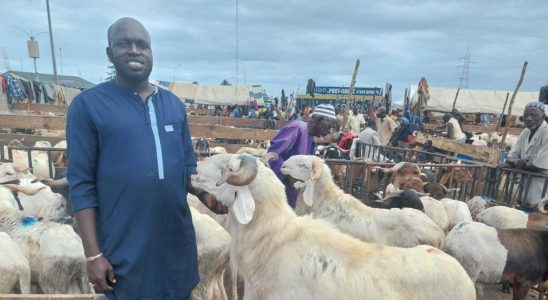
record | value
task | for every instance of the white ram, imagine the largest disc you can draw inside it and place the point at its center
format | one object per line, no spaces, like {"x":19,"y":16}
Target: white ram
{"x":14,"y":267}
{"x":54,"y":251}
{"x":457,"y":211}
{"x":282,"y":256}
{"x":395,"y":227}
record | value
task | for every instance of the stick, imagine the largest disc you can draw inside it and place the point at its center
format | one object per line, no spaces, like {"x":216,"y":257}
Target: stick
{"x":455,"y":101}
{"x":512,"y":103}
{"x":502,"y":114}
{"x":350,"y":90}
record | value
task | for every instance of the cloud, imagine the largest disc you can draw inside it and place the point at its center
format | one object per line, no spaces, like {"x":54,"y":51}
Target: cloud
{"x":282,"y":44}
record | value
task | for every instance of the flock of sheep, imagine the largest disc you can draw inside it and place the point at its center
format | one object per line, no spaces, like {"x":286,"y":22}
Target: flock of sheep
{"x":332,"y":246}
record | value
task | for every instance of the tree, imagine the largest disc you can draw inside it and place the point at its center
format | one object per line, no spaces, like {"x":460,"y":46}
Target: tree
{"x":195,"y":82}
{"x":111,"y":72}
{"x":225,"y":82}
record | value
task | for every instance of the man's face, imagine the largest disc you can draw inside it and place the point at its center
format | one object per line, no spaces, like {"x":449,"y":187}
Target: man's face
{"x":130,"y":52}
{"x":533,"y":117}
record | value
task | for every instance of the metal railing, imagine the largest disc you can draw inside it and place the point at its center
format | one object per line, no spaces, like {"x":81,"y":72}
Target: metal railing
{"x":9,"y":156}
{"x":506,"y":186}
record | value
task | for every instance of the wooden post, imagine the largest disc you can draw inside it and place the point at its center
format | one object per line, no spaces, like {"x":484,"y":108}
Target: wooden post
{"x":502,"y":114}
{"x":350,"y":90}
{"x":512,"y":103}
{"x":455,"y":101}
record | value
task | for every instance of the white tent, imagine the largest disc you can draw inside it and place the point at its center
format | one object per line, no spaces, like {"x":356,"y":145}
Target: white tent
{"x":475,"y":101}
{"x":212,"y":94}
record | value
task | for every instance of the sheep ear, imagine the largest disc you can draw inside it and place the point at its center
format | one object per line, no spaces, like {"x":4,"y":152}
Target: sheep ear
{"x":244,"y":205}
{"x":308,"y":194}
{"x":317,"y":169}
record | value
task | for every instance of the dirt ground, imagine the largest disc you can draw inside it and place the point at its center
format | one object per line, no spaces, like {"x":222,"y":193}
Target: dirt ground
{"x":494,"y":292}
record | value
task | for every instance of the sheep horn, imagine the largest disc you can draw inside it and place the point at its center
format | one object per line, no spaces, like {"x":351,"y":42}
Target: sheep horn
{"x":247,"y":172}
{"x":393,"y":194}
{"x":541,"y":206}
{"x":395,"y":168}
{"x":446,"y":190}
{"x":57,"y":183}
{"x":20,"y":169}
{"x":270,"y":156}
{"x":18,"y":188}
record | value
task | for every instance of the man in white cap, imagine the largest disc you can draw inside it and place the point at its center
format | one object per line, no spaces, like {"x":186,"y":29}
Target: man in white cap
{"x":531,"y":152}
{"x":297,"y":137}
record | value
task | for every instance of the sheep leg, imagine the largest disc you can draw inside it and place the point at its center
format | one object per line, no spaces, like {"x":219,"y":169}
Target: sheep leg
{"x":542,"y":288}
{"x":520,"y":290}
{"x":83,"y":284}
{"x":24,"y":282}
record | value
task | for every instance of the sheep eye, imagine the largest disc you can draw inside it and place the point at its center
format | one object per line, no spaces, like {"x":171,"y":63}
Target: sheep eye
{"x":35,"y":180}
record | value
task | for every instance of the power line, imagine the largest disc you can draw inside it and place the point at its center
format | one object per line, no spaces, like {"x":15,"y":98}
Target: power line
{"x":464,"y":79}
{"x":6,"y":60}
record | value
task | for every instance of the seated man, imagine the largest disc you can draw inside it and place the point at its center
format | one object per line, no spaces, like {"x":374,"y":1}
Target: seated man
{"x":531,"y":151}
{"x":453,"y":129}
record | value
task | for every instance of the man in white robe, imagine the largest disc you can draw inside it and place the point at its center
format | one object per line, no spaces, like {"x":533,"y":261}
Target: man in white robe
{"x":531,"y":152}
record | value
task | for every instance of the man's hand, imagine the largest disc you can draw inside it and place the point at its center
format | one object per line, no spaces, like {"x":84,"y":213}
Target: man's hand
{"x":100,"y":274}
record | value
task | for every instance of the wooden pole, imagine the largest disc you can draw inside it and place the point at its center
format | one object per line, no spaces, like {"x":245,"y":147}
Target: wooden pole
{"x":512,"y":103}
{"x":455,"y":101}
{"x":502,"y":114}
{"x":350,"y":90}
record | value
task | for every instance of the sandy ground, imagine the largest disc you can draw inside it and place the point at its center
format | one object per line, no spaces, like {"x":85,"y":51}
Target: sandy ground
{"x":494,"y":292}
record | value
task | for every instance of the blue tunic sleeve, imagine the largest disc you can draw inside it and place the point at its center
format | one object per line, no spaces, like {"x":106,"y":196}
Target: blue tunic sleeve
{"x":82,"y":156}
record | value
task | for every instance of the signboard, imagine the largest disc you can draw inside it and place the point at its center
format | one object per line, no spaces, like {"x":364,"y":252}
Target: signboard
{"x":358,"y":91}
{"x":336,"y":95}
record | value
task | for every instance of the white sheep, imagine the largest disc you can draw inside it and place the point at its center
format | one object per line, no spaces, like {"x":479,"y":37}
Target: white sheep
{"x":476,"y":205}
{"x":36,"y":199}
{"x":491,"y":255}
{"x":395,"y":227}
{"x":282,"y":256}
{"x":39,"y":159}
{"x":213,"y":256}
{"x":457,"y":211}
{"x":505,"y":217}
{"x":54,"y":251}
{"x":434,"y":209}
{"x":14,"y":267}
{"x":251,"y":151}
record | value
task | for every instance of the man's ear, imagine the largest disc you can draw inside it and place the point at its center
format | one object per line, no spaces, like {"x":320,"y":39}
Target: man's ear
{"x":109,"y":53}
{"x":317,"y":169}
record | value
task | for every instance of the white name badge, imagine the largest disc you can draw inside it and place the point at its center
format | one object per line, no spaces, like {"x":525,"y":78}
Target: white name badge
{"x":168,"y":128}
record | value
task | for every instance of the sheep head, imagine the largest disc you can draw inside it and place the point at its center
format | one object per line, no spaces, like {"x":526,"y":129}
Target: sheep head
{"x":227,"y":176}
{"x":412,"y":183}
{"x":306,"y":169}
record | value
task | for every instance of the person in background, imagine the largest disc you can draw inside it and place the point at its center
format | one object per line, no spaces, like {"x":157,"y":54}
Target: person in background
{"x":354,"y":121}
{"x":453,"y":129}
{"x":531,"y":152}
{"x":298,"y":137}
{"x":130,"y":161}
{"x":252,"y":114}
{"x":385,"y":126}
{"x":367,"y":136}
{"x":425,"y":156}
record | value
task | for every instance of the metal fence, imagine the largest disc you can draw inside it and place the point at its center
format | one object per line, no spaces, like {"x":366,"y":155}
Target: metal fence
{"x":506,"y":186}
{"x":7,"y":155}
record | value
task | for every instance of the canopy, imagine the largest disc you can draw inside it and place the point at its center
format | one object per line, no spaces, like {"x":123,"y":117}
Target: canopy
{"x":475,"y":101}
{"x":212,"y":94}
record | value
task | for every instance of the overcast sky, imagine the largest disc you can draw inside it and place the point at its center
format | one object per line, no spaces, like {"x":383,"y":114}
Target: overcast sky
{"x":283,"y":43}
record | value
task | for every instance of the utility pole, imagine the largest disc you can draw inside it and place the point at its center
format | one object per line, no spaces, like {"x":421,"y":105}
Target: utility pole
{"x":51,"y":44}
{"x":237,"y":57}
